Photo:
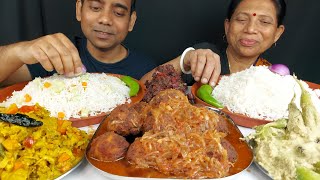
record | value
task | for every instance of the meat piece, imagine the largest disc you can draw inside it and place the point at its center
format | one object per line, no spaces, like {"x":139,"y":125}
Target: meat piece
{"x":222,"y":125}
{"x":169,"y":96}
{"x":232,"y":153}
{"x":164,"y":77}
{"x":158,"y":121}
{"x":148,"y":122}
{"x":125,"y":120}
{"x":108,"y":147}
{"x":142,"y":109}
{"x":136,"y":153}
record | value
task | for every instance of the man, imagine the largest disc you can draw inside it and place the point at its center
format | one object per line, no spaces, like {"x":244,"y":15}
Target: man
{"x":105,"y":24}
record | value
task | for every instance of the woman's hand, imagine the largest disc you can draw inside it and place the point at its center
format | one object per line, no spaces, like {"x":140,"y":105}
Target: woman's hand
{"x":205,"y":65}
{"x":53,"y":52}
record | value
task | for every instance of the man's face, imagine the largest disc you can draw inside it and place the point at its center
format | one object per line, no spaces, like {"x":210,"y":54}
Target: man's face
{"x":105,"y":23}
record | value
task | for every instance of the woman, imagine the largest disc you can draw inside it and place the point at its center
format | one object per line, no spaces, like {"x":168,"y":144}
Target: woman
{"x":251,"y":27}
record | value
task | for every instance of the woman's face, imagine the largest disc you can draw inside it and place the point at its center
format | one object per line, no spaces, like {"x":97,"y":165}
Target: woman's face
{"x":253,"y":28}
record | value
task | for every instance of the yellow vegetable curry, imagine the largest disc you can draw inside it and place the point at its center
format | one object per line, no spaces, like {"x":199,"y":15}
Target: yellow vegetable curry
{"x":44,"y":152}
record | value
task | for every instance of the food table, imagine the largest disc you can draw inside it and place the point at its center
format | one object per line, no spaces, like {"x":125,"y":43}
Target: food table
{"x":85,"y":170}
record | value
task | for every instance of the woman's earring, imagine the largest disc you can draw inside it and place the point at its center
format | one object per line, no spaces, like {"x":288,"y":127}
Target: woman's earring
{"x":275,"y":44}
{"x":224,"y":38}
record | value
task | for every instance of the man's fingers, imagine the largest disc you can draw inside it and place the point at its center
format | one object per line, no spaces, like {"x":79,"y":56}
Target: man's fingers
{"x":54,"y":57}
{"x":43,"y":59}
{"x":64,"y":53}
{"x":77,"y":64}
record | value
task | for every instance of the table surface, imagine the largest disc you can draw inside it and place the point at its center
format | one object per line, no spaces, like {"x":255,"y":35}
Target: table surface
{"x":85,"y":170}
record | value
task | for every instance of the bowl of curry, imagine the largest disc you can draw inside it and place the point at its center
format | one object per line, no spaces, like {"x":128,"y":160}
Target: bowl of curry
{"x":129,"y":167}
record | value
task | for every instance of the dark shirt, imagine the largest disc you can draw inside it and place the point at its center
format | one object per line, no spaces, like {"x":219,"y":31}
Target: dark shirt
{"x":134,"y":65}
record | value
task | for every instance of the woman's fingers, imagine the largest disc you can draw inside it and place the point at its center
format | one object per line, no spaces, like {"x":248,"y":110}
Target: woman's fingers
{"x":216,"y":72}
{"x":201,"y":63}
{"x":205,"y":66}
{"x":208,"y":70}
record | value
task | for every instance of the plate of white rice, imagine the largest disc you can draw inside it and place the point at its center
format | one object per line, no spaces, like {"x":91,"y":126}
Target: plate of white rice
{"x":84,"y":99}
{"x":257,"y":96}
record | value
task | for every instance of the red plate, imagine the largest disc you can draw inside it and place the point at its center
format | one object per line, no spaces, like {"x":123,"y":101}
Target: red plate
{"x":240,"y":119}
{"x":76,"y":122}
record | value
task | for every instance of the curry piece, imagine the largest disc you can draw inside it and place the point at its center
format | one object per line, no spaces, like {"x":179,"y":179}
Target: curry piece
{"x":124,"y":120}
{"x":108,"y":147}
{"x":232,"y":153}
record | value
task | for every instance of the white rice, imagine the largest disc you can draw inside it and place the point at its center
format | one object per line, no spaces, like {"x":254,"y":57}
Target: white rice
{"x":317,"y":91}
{"x":70,"y":96}
{"x":259,"y":93}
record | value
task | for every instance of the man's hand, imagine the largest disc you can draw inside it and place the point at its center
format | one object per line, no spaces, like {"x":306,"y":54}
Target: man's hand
{"x":205,"y":65}
{"x":53,"y":52}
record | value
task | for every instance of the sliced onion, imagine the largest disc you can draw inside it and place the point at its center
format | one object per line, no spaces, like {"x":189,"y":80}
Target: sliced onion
{"x":280,"y":69}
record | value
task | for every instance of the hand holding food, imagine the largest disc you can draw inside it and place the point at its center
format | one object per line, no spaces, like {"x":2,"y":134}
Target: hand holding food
{"x":205,"y":65}
{"x":53,"y":52}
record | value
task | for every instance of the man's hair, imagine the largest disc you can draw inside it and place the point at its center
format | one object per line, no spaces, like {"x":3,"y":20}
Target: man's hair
{"x":133,"y":5}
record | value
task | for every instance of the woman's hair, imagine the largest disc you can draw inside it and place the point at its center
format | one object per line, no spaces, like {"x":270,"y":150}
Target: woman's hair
{"x":280,"y":5}
{"x":133,"y":5}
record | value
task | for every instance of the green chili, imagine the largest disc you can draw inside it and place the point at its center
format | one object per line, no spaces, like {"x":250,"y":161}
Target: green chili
{"x":204,"y":93}
{"x":132,"y":84}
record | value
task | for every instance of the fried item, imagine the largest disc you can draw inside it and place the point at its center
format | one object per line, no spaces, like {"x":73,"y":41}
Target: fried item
{"x":135,"y":154}
{"x":163,"y":100}
{"x":164,"y":77}
{"x":108,"y":147}
{"x":142,"y":109}
{"x":125,"y":120}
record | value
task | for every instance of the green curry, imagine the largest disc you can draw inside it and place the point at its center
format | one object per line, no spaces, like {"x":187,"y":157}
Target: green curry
{"x":290,"y":148}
